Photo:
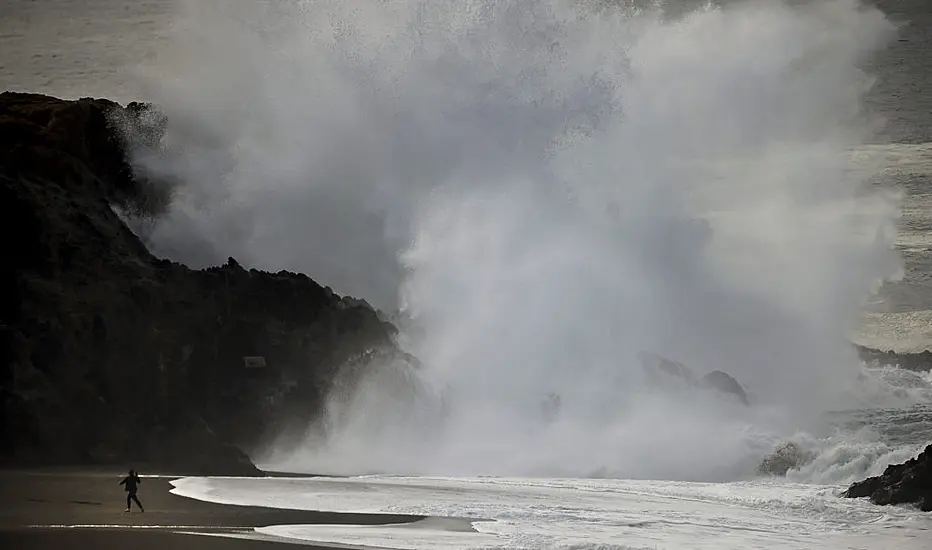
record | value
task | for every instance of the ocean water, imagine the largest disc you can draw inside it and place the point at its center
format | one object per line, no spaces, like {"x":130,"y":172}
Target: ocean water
{"x":470,"y":513}
{"x":800,"y":510}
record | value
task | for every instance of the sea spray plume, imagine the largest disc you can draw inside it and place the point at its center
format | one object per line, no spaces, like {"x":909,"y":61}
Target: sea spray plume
{"x":309,"y":131}
{"x":541,"y":172}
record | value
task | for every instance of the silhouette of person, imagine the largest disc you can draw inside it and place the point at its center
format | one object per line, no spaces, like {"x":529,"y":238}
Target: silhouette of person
{"x":131,"y":484}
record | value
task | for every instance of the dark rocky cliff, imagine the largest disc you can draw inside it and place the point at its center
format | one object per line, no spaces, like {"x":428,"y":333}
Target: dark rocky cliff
{"x":907,"y":483}
{"x":113,"y":356}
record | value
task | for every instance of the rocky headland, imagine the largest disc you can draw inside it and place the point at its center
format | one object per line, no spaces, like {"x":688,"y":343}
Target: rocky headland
{"x":113,"y":356}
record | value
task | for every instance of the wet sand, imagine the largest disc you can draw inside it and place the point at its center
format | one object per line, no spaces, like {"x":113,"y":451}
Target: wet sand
{"x":80,"y":509}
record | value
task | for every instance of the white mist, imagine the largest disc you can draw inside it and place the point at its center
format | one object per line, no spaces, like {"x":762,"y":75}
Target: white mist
{"x":544,"y":188}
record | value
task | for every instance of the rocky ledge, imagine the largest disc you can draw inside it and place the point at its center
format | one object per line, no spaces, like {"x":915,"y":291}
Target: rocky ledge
{"x":907,"y":483}
{"x":113,"y":356}
{"x":920,"y":361}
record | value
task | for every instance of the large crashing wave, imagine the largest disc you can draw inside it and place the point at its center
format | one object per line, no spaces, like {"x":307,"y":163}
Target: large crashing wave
{"x":544,"y":188}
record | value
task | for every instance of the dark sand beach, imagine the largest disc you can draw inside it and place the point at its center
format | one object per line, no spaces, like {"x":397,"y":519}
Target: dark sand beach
{"x":84,"y":509}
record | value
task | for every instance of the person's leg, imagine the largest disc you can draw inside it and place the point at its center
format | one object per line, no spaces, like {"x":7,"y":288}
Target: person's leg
{"x":136,"y":500}
{"x":128,"y":501}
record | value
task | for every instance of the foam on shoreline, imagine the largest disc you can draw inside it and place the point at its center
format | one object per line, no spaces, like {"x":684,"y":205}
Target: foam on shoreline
{"x":572,"y":513}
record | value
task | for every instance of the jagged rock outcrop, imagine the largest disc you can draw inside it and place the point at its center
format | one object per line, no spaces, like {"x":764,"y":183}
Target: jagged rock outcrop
{"x":665,"y":373}
{"x":672,"y":375}
{"x":921,"y":361}
{"x":907,"y":483}
{"x":111,"y":355}
{"x":787,"y":456}
{"x":725,"y":383}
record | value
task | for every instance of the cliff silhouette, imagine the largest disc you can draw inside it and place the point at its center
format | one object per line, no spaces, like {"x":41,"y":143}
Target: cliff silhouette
{"x":114,"y":356}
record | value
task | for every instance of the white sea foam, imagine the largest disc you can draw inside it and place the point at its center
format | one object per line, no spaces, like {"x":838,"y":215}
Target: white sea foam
{"x":573,"y":513}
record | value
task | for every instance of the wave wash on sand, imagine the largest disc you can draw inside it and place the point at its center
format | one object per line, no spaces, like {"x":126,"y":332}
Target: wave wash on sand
{"x":544,"y":189}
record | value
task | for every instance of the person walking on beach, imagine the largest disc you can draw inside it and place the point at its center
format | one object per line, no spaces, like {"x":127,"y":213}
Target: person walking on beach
{"x":131,"y":483}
